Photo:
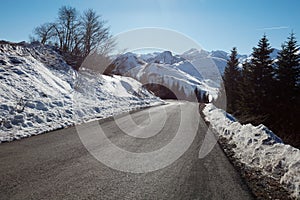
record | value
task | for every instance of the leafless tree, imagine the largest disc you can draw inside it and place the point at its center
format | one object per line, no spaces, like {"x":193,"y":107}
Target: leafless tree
{"x":67,"y":28}
{"x":94,"y":31}
{"x":45,"y":32}
{"x":78,"y":36}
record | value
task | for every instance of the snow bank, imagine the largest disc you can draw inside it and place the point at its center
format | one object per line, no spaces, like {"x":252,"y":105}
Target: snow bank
{"x":258,"y":147}
{"x":39,"y":92}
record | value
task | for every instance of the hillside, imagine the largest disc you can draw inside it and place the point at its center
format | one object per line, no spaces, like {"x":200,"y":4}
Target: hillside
{"x":39,"y":92}
{"x":175,"y":72}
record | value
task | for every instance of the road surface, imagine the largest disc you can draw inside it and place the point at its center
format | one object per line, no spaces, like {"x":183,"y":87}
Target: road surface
{"x":57,"y":165}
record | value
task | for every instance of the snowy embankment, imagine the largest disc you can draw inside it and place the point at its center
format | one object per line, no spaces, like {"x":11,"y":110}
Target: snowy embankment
{"x":39,"y":92}
{"x":258,"y":147}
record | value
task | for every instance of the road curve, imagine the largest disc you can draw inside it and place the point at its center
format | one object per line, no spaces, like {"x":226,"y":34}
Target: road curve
{"x":57,"y":165}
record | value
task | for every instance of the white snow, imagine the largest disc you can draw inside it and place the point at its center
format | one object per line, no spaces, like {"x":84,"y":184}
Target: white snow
{"x":212,"y":64}
{"x":207,"y":67}
{"x":167,"y":68}
{"x":165,"y":57}
{"x":129,"y":61}
{"x":258,"y":147}
{"x":39,"y":92}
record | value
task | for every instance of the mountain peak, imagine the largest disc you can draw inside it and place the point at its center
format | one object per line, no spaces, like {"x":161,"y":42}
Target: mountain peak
{"x":165,"y":57}
{"x":219,"y":54}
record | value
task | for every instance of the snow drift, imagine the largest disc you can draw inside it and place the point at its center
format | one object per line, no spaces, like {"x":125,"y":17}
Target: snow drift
{"x":39,"y":92}
{"x":258,"y":147}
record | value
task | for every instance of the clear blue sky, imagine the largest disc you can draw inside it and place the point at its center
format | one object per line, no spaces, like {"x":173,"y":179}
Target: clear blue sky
{"x":214,"y":24}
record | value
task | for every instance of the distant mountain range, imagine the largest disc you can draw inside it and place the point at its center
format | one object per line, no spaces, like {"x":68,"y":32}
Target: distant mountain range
{"x":193,"y":69}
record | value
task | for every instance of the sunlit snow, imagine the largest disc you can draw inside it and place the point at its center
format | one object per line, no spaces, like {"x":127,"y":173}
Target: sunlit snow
{"x":258,"y":147}
{"x":39,"y":92}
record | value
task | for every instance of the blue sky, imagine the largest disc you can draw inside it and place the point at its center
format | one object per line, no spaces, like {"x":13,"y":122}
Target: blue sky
{"x":214,"y":24}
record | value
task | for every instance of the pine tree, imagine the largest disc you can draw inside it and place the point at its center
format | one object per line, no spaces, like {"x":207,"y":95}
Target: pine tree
{"x":261,"y":73}
{"x":175,"y":88}
{"x":231,"y":79}
{"x":205,"y":97}
{"x":198,"y":96}
{"x":246,"y":94}
{"x":288,"y":70}
{"x":182,"y":93}
{"x":288,"y":95}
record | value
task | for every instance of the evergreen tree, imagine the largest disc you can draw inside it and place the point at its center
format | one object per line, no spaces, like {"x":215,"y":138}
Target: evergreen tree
{"x":261,"y":74}
{"x":205,"y":98}
{"x":246,"y":94}
{"x":231,"y":79}
{"x":288,"y":70}
{"x":182,"y":93}
{"x":288,"y":94}
{"x":196,"y":91}
{"x":175,"y":90}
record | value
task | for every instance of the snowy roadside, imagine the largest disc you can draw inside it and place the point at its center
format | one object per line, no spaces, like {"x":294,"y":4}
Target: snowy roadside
{"x":259,"y":149}
{"x":39,"y":93}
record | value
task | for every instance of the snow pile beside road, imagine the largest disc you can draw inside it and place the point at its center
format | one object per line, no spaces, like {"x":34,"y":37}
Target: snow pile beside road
{"x":258,"y":147}
{"x":39,"y":92}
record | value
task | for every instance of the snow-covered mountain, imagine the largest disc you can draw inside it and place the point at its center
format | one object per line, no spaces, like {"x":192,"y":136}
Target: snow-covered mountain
{"x":210,"y":61}
{"x":193,"y":69}
{"x":165,"y":57}
{"x":203,"y":59}
{"x":173,"y":71}
{"x":210,"y":67}
{"x":39,"y":92}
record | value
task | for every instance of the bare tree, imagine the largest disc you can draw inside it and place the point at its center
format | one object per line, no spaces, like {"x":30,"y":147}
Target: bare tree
{"x":45,"y":32}
{"x":107,"y":46}
{"x":94,"y":31}
{"x":78,"y":36}
{"x":67,"y":28}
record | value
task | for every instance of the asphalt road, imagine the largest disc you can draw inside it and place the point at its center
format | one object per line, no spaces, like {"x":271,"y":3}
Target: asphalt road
{"x":57,"y":165}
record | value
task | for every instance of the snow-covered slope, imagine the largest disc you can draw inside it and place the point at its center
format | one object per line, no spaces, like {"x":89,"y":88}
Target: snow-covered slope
{"x":212,"y":63}
{"x":40,"y":92}
{"x":165,"y":57}
{"x":195,"y":67}
{"x":258,"y":147}
{"x":166,"y":69}
{"x":128,"y":61}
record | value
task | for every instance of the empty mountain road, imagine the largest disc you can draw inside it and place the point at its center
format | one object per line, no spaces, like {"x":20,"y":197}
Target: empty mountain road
{"x":151,"y":160}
